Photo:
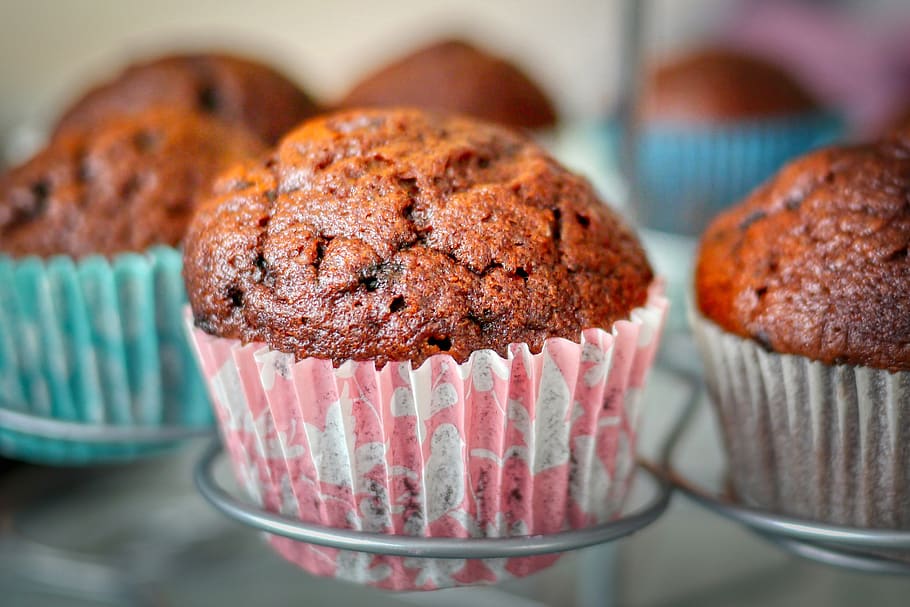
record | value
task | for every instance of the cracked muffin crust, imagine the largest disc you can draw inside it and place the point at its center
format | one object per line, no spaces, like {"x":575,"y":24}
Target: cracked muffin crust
{"x":397,"y":234}
{"x":123,"y":185}
{"x":236,"y":90}
{"x":453,"y":76}
{"x":816,"y":262}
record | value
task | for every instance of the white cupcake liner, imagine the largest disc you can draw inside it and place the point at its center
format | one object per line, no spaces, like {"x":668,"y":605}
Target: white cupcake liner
{"x":824,"y":442}
{"x":493,"y":447}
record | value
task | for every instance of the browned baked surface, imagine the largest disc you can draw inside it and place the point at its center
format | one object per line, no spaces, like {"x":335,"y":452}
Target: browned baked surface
{"x":394,"y":235}
{"x":717,"y":85}
{"x":122,"y":185}
{"x":453,"y":76}
{"x":232,"y":89}
{"x":815,"y":262}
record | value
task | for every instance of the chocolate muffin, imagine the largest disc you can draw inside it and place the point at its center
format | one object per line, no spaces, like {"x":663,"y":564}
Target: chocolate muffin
{"x":815,"y":262}
{"x":397,"y":234}
{"x":715,"y":85}
{"x":453,"y":76}
{"x":121,"y":185}
{"x":233,"y":89}
{"x":803,"y":320}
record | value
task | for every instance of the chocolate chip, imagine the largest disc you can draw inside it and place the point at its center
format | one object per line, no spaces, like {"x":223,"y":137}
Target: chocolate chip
{"x":763,"y":339}
{"x":752,"y":218}
{"x":397,"y":304}
{"x":899,"y":255}
{"x":370,"y":283}
{"x":557,"y":225}
{"x":209,"y":99}
{"x":235,"y":294}
{"x":443,"y":343}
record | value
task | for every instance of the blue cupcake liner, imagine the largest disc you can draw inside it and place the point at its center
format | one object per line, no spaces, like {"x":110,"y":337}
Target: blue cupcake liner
{"x":99,"y":342}
{"x":687,"y":174}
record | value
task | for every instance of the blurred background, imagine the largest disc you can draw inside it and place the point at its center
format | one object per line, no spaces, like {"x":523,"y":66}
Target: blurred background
{"x":852,"y":56}
{"x":49,"y":50}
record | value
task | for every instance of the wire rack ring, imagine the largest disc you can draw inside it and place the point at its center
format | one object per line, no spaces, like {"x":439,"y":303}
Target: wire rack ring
{"x":883,"y":551}
{"x":46,"y":427}
{"x":426,"y":547}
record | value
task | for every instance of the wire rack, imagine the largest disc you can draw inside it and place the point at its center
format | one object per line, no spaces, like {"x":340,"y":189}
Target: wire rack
{"x":427,"y":547}
{"x":55,"y":429}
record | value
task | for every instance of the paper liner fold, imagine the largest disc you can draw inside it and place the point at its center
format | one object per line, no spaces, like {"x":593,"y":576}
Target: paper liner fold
{"x":528,"y":444}
{"x":828,"y":443}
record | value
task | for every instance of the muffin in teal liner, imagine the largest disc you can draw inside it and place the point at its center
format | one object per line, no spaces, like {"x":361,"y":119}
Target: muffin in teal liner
{"x":688,"y":174}
{"x":714,"y":124}
{"x":98,"y":342}
{"x":90,"y":311}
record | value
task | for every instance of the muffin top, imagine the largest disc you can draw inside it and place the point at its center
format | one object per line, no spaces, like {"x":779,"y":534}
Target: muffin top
{"x":717,"y":85}
{"x":453,"y":76}
{"x":815,"y":262}
{"x":235,"y":90}
{"x":122,"y":185}
{"x":398,"y":234}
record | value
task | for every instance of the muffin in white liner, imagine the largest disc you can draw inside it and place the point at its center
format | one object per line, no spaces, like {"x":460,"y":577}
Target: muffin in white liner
{"x":822,"y":442}
{"x":493,"y":447}
{"x":803,"y":318}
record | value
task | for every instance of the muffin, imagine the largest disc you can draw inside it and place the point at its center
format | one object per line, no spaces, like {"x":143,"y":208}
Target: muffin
{"x":122,"y":185}
{"x":715,"y":123}
{"x":90,"y":317}
{"x":714,"y":85}
{"x":454,"y":76}
{"x":803,"y":297}
{"x":383,"y":306}
{"x":236,"y":90}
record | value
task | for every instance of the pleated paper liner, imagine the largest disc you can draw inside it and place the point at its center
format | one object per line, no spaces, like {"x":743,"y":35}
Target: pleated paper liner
{"x":96,"y":341}
{"x":493,"y":447}
{"x":824,"y":442}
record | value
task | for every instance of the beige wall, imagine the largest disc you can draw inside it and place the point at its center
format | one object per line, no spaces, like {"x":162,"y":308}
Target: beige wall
{"x":50,"y":48}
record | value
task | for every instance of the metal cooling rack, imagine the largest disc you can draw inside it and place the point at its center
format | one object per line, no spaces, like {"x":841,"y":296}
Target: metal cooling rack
{"x":427,"y":547}
{"x":49,"y":428}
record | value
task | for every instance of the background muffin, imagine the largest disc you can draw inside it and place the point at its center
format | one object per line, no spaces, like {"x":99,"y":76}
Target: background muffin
{"x":454,"y":76}
{"x":714,"y":124}
{"x":803,"y":296}
{"x":125,"y":184}
{"x":715,"y":85}
{"x":233,"y":89}
{"x":91,"y":328}
{"x":358,"y":217}
{"x":381,"y":305}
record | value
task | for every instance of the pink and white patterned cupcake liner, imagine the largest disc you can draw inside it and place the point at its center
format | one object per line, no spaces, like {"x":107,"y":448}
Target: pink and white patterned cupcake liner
{"x":493,"y":447}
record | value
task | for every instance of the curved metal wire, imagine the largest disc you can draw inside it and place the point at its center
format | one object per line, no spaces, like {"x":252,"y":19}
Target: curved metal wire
{"x":46,"y":427}
{"x":822,"y":542}
{"x":427,"y":547}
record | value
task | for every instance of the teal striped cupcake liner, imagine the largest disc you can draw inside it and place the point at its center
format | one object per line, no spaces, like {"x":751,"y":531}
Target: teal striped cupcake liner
{"x":99,"y":342}
{"x":687,"y":174}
